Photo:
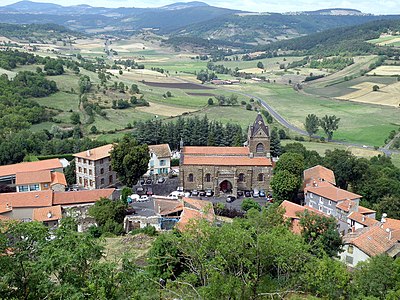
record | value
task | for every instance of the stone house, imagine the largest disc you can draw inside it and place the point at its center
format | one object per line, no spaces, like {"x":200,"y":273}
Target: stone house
{"x":229,"y":169}
{"x":93,"y":168}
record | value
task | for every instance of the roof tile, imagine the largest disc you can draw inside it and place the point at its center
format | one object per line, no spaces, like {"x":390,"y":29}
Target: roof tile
{"x":95,"y":153}
{"x":161,"y":151}
{"x":43,"y":214}
{"x":332,"y":193}
{"x":43,"y":176}
{"x":48,"y":164}
{"x":227,"y":161}
{"x":80,"y":197}
{"x":319,"y":173}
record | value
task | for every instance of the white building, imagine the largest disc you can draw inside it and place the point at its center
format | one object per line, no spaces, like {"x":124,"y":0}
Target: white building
{"x":160,"y":160}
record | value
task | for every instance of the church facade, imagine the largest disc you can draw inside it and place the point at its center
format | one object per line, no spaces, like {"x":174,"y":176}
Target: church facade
{"x":229,"y":169}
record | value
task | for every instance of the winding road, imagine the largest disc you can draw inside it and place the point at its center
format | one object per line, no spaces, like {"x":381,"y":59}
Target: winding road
{"x":286,"y":124}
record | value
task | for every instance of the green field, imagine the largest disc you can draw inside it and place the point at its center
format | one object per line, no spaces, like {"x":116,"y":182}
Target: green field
{"x":60,"y":100}
{"x":345,"y":87}
{"x":322,"y":147}
{"x":396,"y":159}
{"x":360,"y":123}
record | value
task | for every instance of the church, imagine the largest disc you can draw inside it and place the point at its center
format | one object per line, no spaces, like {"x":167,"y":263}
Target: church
{"x":229,"y":169}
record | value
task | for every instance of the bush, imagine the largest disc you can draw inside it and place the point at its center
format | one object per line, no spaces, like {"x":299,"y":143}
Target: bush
{"x":210,"y":101}
{"x":248,"y":106}
{"x":248,"y":204}
{"x":148,"y":230}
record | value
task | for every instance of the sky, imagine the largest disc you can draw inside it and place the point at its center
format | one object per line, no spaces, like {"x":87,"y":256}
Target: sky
{"x":367,"y":6}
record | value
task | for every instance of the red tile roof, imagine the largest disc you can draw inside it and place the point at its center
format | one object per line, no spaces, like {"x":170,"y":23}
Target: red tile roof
{"x":319,"y":173}
{"x":293,"y":210}
{"x":58,"y":178}
{"x":161,"y":150}
{"x":195,"y":210}
{"x":365,"y":211}
{"x":165,"y":207}
{"x":44,"y":214}
{"x":392,"y":224}
{"x":346,"y":205}
{"x":227,"y":161}
{"x":80,"y":197}
{"x":332,"y":193}
{"x":48,"y":164}
{"x":27,"y":199}
{"x":24,"y":178}
{"x":372,"y":240}
{"x":221,"y":151}
{"x":361,"y":219}
{"x":96,"y":153}
{"x":5,"y":207}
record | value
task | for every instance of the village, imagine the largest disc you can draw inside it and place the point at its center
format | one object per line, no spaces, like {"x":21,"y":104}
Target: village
{"x":170,"y":197}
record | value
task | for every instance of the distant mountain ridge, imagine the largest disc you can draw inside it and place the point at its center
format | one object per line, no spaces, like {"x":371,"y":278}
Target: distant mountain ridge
{"x":189,"y":20}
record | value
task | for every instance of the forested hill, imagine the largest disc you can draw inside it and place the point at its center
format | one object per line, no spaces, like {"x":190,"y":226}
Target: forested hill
{"x":28,"y":31}
{"x":351,"y":39}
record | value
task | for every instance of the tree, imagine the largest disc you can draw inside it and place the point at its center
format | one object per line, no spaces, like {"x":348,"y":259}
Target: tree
{"x":291,"y":162}
{"x":248,"y":106}
{"x":326,"y":278}
{"x":311,"y":124}
{"x":376,"y":277}
{"x":210,"y":101}
{"x":260,"y":65}
{"x":276,"y":149}
{"x":320,"y":232}
{"x":93,"y":129}
{"x":389,"y":205}
{"x":130,"y":160}
{"x":248,"y":204}
{"x":375,"y":88}
{"x":329,"y":124}
{"x":75,"y":118}
{"x":84,"y":84}
{"x":284,"y":185}
{"x":109,"y":215}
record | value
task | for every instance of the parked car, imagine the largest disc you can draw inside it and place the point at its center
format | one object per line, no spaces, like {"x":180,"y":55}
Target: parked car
{"x":141,"y":181}
{"x":139,"y":190}
{"x":240,"y":193}
{"x":247,"y":193}
{"x":256,"y":193}
{"x":149,"y":192}
{"x":209,"y":193}
{"x":195,"y":193}
{"x":230,"y":198}
{"x":143,"y":198}
{"x":262,"y":193}
{"x":179,"y":189}
{"x":161,"y":180}
{"x":202,"y":193}
{"x":149,"y":181}
{"x":133,"y":198}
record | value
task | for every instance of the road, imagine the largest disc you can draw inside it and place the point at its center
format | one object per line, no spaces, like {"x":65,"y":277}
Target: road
{"x":388,"y":152}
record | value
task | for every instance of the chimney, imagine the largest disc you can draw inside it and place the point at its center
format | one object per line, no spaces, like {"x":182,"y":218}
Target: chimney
{"x":390,"y":233}
{"x":49,"y":215}
{"x":88,"y":153}
{"x":383,"y":220}
{"x":363,"y":218}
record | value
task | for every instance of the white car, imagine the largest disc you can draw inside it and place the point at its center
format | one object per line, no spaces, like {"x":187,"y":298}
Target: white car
{"x":143,"y":198}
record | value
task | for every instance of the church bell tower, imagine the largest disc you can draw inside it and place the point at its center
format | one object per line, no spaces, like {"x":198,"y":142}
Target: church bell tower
{"x":258,"y":138}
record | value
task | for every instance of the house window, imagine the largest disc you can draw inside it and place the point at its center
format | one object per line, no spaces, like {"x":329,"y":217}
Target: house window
{"x":80,"y":170}
{"x":85,"y":182}
{"x":34,"y":187}
{"x":190,"y":178}
{"x":320,"y":200}
{"x":350,"y":249}
{"x":208,"y":177}
{"x":46,"y":185}
{"x":151,"y":163}
{"x":311,"y":195}
{"x":320,"y":208}
{"x":101,"y":161}
{"x":102,"y":181}
{"x":330,"y":202}
{"x":90,"y":172}
{"x":109,"y":168}
{"x":84,"y":170}
{"x":110,"y":179}
{"x":329,"y":212}
{"x":23,"y":188}
{"x":260,"y":148}
{"x":80,"y":180}
{"x":260,"y":177}
{"x":102,"y":171}
{"x":91,"y":183}
{"x":349,"y":260}
{"x":241,"y":177}
{"x":162,"y":162}
{"x":85,"y":161}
